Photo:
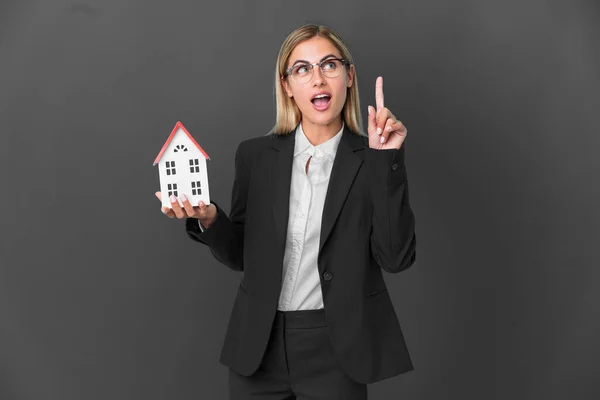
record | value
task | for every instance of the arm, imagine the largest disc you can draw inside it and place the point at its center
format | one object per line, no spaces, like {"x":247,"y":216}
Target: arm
{"x":225,"y":236}
{"x":393,"y":238}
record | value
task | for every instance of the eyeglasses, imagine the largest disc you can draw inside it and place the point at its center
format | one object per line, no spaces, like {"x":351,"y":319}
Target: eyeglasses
{"x":302,"y":73}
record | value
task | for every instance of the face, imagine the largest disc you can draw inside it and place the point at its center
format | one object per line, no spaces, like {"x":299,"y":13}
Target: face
{"x":314,"y":111}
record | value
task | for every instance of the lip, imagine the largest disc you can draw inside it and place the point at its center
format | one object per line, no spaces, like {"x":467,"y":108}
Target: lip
{"x":318,"y":93}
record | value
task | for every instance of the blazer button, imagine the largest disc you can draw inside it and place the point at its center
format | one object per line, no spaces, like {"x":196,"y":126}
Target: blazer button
{"x":327,"y":276}
{"x":394,"y":166}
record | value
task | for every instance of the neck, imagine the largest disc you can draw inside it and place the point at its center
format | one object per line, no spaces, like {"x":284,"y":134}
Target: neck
{"x":317,"y":134}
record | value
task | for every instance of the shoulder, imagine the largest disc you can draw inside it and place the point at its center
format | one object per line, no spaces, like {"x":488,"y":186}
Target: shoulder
{"x":254,"y":148}
{"x":256,"y":145}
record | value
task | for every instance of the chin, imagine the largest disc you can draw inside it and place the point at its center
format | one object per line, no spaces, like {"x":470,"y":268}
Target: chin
{"x":324,"y":118}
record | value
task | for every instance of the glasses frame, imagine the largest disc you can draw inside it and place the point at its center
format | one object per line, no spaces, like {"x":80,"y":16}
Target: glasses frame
{"x":288,"y":72}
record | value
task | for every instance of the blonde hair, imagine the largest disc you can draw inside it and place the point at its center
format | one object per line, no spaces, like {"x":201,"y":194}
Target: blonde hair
{"x":288,"y":114}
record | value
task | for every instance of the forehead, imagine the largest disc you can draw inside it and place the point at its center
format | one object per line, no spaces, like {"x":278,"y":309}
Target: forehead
{"x":313,"y":50}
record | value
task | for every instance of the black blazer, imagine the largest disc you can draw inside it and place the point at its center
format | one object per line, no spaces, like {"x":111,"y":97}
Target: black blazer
{"x":367,"y":226}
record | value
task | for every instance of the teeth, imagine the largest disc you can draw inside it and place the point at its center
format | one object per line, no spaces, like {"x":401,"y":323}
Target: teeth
{"x":320,"y":96}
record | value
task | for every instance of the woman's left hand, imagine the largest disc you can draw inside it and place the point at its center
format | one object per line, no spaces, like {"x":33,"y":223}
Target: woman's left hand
{"x":385,"y":131}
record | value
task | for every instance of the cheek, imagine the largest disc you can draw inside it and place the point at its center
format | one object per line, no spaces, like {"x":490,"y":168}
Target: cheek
{"x":302,"y":98}
{"x":341,"y":94}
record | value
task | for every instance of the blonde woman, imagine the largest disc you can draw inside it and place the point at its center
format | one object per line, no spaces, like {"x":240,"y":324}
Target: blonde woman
{"x":318,"y":210}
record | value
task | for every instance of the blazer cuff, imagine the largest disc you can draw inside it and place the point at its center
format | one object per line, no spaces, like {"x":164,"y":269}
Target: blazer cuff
{"x":206,"y":235}
{"x":386,"y":166}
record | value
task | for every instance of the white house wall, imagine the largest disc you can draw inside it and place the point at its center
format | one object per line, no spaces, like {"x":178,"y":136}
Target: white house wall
{"x":183,"y":178}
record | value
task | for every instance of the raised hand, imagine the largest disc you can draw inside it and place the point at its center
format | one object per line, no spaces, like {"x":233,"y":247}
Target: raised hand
{"x":385,"y":131}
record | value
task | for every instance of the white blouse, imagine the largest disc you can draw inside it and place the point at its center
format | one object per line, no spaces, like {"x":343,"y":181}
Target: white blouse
{"x":301,"y":285}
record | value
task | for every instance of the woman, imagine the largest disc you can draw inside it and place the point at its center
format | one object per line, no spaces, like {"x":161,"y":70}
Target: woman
{"x":318,"y":210}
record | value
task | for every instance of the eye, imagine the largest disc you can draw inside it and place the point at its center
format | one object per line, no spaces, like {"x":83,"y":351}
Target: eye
{"x":301,"y":69}
{"x":330,"y":65}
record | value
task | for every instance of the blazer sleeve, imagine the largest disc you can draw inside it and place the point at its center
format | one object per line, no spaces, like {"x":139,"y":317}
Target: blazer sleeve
{"x":393,"y":238}
{"x":225,"y":236}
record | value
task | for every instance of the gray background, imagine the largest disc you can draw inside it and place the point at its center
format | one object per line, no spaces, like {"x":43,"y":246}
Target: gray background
{"x":103,"y":297}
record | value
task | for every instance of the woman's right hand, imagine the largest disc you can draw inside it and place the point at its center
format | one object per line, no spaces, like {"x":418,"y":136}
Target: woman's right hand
{"x":206,"y":214}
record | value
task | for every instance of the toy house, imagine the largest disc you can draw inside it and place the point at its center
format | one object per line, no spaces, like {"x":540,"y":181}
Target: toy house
{"x":182,"y":168}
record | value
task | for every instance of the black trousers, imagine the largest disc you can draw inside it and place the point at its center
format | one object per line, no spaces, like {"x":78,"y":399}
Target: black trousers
{"x":299,"y":363}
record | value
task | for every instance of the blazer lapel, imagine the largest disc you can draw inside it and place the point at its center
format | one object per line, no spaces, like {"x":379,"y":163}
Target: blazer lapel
{"x":345,"y":166}
{"x":281,"y":180}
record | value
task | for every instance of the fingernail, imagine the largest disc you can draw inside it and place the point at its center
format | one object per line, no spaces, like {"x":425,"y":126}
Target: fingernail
{"x":164,"y":210}
{"x":183,"y":197}
{"x":382,"y":139}
{"x":201,"y":203}
{"x":379,"y":132}
{"x":369,"y":110}
{"x":389,"y":128}
{"x":173,"y":198}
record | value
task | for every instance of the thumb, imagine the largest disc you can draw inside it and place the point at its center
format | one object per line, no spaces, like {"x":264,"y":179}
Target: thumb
{"x":371,"y":120}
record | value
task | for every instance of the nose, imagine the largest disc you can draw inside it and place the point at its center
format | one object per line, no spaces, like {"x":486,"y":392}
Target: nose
{"x":318,"y":78}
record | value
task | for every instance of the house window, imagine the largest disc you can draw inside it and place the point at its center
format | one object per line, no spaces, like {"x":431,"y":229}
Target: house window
{"x":170,"y":167}
{"x":194,"y":166}
{"x":179,"y":147}
{"x":172,"y":189}
{"x":196,"y":188}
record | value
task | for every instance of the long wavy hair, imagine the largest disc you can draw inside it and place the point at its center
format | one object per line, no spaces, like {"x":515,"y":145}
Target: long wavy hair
{"x":288,"y":114}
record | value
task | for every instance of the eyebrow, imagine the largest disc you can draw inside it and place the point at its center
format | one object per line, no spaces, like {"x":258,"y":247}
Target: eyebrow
{"x":304,"y":61}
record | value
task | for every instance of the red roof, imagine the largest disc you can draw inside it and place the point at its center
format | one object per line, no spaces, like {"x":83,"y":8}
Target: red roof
{"x":175,"y":129}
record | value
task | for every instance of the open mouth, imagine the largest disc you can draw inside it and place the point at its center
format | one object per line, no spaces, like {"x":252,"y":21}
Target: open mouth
{"x":321,"y":102}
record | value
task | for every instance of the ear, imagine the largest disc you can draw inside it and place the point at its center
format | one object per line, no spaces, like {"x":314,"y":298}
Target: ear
{"x":286,"y":87}
{"x":350,"y":76}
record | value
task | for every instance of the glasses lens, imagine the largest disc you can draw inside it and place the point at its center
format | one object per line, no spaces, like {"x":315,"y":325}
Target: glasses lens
{"x":331,"y":68}
{"x":302,"y":73}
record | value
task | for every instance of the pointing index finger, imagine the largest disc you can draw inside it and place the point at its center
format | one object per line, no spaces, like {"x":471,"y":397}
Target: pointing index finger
{"x":379,"y":93}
